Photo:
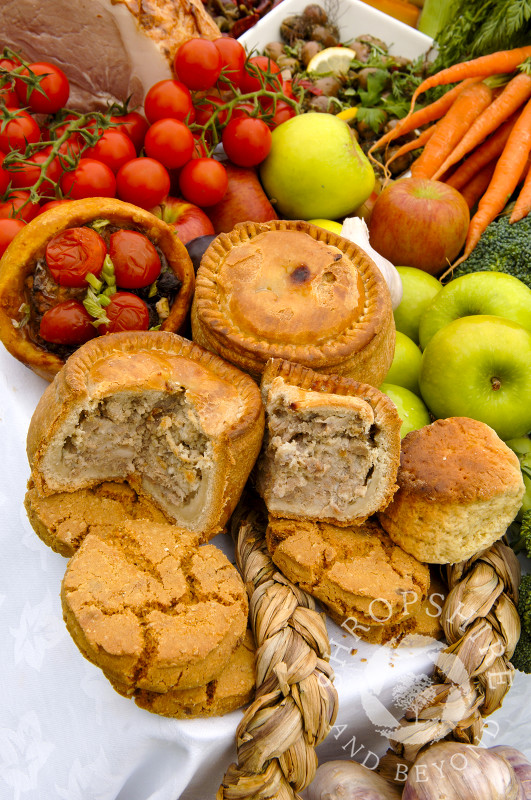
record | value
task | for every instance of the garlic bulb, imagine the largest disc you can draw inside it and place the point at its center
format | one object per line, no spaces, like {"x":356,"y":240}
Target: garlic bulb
{"x":348,"y":780}
{"x":455,"y":771}
{"x":519,"y":763}
{"x":355,"y":230}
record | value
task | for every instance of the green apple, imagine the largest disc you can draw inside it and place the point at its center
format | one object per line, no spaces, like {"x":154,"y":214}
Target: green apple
{"x":479,"y":367}
{"x":411,"y":409}
{"x":328,"y":224}
{"x":493,"y":293}
{"x":405,"y":367}
{"x":316,"y":168}
{"x":522,"y":447}
{"x":418,"y":290}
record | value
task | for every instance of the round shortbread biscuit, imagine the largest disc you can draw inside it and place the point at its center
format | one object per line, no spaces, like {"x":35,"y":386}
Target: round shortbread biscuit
{"x":151,"y":609}
{"x":231,"y":689}
{"x":354,"y":571}
{"x":460,"y":487}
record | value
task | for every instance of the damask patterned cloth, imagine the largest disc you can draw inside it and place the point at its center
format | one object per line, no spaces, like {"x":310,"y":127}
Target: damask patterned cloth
{"x":65,"y":734}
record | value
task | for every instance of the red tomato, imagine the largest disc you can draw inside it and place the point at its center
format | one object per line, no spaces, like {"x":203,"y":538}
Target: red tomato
{"x":8,"y":96}
{"x":135,"y":258}
{"x":29,"y":173}
{"x":197,"y":63}
{"x":114,"y":148}
{"x":200,"y":147}
{"x":126,"y":312}
{"x":242,"y":110}
{"x":8,"y":230}
{"x":255,"y":78}
{"x":54,"y":84}
{"x":168,"y":99}
{"x":232,"y":58}
{"x":205,"y":107}
{"x":203,"y":181}
{"x":67,"y":323}
{"x":246,"y":141}
{"x":144,"y":182}
{"x":283,"y":112}
{"x":134,"y":125}
{"x":73,"y":254}
{"x":90,"y":178}
{"x":52,"y":204}
{"x":5,"y":176}
{"x":18,"y":206}
{"x":9,"y":64}
{"x":19,"y":131}
{"x":169,"y":141}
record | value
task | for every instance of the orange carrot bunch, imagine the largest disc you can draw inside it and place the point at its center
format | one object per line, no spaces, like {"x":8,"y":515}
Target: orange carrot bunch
{"x":478,"y":139}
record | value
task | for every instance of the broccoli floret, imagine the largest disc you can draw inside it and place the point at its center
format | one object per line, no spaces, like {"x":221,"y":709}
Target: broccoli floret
{"x":502,"y":248}
{"x":523,"y":542}
{"x":521,"y":659}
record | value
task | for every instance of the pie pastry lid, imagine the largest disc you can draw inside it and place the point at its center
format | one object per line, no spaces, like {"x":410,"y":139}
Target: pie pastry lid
{"x":292,"y":290}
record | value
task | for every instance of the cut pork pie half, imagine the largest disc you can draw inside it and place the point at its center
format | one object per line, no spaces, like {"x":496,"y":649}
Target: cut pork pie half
{"x":179,"y":424}
{"x":331,"y":448}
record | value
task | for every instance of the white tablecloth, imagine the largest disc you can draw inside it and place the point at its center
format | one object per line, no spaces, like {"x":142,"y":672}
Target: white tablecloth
{"x":65,"y":734}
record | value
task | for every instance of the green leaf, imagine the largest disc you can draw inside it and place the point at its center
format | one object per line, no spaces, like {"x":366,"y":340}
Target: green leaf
{"x":373,"y":117}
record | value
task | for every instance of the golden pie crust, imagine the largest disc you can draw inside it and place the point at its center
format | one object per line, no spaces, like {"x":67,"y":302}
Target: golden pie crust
{"x":30,"y":244}
{"x":291,"y":290}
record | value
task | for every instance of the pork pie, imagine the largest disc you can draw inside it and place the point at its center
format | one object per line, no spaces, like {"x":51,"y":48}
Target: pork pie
{"x":289,"y":289}
{"x":331,"y":447}
{"x":176,"y":422}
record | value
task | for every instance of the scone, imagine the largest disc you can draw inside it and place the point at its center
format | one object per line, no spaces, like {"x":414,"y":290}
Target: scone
{"x":63,"y":520}
{"x":231,"y":689}
{"x":291,"y":290}
{"x":355,"y":572}
{"x":460,"y":487}
{"x":179,"y":424}
{"x":151,"y":609}
{"x":28,"y":288}
{"x":331,"y":447}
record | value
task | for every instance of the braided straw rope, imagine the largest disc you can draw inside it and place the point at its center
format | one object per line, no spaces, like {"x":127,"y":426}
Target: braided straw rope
{"x":296,"y":702}
{"x":473,"y":674}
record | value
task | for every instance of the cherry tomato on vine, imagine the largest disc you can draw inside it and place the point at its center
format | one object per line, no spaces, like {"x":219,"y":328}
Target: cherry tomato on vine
{"x":19,"y":131}
{"x":246,"y":141}
{"x":282,"y":113}
{"x":206,"y":106}
{"x":52,"y":204}
{"x":5,"y":176}
{"x":126,"y":312}
{"x":197,"y":63}
{"x":255,"y":75}
{"x":8,"y":230}
{"x":135,"y":258}
{"x":144,"y":182}
{"x":24,"y":176}
{"x":9,"y":64}
{"x":134,"y":125}
{"x":73,"y":254}
{"x":243,"y":111}
{"x":90,"y":178}
{"x":67,"y":323}
{"x":233,"y":57}
{"x":18,"y":206}
{"x":203,"y":181}
{"x":53,"y":83}
{"x":8,"y":96}
{"x":169,"y":141}
{"x":168,"y":98}
{"x":113,"y":148}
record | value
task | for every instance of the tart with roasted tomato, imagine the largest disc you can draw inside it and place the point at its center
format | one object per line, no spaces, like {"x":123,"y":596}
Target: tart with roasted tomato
{"x":85,"y":269}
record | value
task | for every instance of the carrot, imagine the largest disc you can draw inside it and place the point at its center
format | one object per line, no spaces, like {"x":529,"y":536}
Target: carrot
{"x":490,"y":149}
{"x":423,"y":116}
{"x":450,"y":130}
{"x":478,"y":184}
{"x":522,"y":207}
{"x":509,"y":168}
{"x":514,"y":95}
{"x":482,"y":67}
{"x":415,"y":144}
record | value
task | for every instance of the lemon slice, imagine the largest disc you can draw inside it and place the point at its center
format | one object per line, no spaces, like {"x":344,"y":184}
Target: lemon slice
{"x":332,"y":59}
{"x":348,"y":114}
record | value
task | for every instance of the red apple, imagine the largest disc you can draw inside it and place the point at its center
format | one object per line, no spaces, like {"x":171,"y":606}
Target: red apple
{"x":244,"y":200}
{"x":189,"y":220}
{"x":419,"y":223}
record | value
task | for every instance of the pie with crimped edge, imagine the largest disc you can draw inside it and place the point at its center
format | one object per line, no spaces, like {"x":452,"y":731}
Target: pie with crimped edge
{"x":292,"y":290}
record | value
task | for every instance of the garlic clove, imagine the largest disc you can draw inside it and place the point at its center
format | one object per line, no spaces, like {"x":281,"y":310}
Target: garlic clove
{"x":355,"y":230}
{"x":455,"y":771}
{"x":348,"y":780}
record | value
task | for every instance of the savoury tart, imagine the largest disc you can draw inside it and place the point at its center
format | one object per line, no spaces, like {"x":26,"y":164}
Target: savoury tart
{"x":27,"y":288}
{"x":292,"y":290}
{"x":180,"y":425}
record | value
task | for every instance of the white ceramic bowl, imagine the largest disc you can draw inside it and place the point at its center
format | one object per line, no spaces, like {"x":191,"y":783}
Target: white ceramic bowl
{"x":353,"y":17}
